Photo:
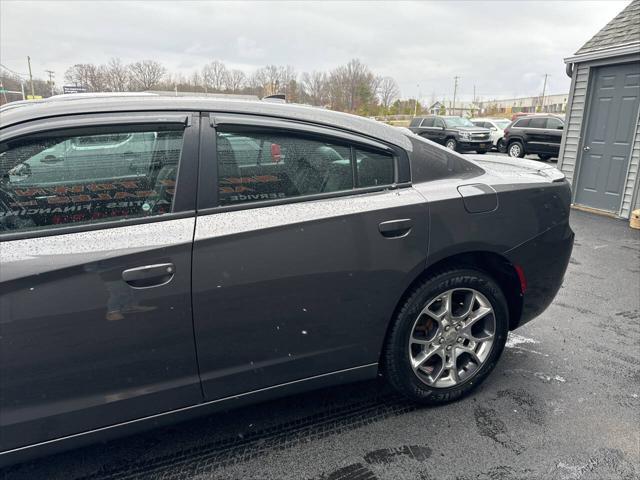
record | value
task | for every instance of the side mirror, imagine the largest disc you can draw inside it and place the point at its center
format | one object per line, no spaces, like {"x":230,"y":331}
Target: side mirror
{"x":493,"y":129}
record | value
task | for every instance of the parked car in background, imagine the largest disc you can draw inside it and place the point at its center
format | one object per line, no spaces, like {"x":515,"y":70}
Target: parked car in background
{"x":226,"y":252}
{"x":540,"y":134}
{"x":496,"y":126}
{"x":455,"y":133}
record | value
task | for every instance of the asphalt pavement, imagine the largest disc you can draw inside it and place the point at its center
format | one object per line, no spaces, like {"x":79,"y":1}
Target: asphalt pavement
{"x":562,"y":404}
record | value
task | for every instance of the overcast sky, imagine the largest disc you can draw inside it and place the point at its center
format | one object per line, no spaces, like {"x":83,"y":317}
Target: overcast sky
{"x":504,"y":48}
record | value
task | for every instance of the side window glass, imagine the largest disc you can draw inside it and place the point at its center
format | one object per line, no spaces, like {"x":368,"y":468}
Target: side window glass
{"x":437,"y":122}
{"x":48,"y":181}
{"x":374,"y":168}
{"x":522,"y":123}
{"x":554,"y":123}
{"x":271,"y":165}
{"x":427,"y":122}
{"x":538,"y":122}
{"x":415,"y":122}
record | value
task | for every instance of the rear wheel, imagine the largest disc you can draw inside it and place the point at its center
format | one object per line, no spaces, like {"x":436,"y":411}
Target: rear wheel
{"x":447,"y":337}
{"x":501,"y":147}
{"x":544,"y":156}
{"x":451,"y":144}
{"x":516,"y":150}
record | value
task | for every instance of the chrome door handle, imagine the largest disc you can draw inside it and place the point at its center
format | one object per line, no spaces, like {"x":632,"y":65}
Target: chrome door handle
{"x":149,"y":275}
{"x":586,"y":149}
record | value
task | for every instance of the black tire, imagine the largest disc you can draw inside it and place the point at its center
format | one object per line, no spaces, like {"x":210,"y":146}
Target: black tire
{"x":501,"y":147}
{"x":544,"y":156}
{"x":511,"y":150}
{"x":481,"y":152}
{"x":451,"y":144}
{"x":396,"y":353}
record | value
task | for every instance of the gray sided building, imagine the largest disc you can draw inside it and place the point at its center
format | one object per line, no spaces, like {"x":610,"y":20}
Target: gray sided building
{"x":600,"y":150}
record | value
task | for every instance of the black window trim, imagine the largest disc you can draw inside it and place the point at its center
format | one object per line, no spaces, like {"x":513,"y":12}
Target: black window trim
{"x":208,"y":197}
{"x":184,"y":198}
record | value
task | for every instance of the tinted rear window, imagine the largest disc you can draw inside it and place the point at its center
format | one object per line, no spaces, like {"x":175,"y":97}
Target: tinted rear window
{"x":427,"y":122}
{"x":538,"y":123}
{"x":522,"y":123}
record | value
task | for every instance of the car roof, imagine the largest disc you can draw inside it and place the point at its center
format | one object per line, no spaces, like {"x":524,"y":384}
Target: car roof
{"x":21,"y":112}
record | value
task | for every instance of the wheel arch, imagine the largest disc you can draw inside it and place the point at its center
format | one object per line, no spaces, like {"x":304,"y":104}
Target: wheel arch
{"x":493,"y":264}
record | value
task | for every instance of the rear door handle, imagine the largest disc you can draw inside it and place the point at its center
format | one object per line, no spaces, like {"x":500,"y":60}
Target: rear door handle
{"x":149,"y":275}
{"x":396,"y":228}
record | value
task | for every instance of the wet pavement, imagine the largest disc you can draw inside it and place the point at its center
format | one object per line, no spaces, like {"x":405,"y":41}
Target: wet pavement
{"x":563,"y":403}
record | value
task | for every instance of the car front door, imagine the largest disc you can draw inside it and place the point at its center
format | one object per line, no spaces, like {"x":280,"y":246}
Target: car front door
{"x":439,"y":131}
{"x":537,"y":137}
{"x":95,"y":275}
{"x":297,"y":271}
{"x":554,"y":130}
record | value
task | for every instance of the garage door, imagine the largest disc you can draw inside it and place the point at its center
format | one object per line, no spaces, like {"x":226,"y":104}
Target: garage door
{"x":612,"y":119}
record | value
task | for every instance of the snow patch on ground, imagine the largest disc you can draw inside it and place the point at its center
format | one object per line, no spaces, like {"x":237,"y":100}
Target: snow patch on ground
{"x":513,"y":340}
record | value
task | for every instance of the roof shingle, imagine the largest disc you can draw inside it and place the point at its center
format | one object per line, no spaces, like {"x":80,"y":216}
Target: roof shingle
{"x":622,"y":30}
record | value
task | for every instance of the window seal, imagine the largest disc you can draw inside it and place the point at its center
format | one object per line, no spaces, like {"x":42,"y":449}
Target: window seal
{"x":301,"y":198}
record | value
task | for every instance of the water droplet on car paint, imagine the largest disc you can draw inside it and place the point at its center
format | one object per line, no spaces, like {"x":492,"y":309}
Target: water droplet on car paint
{"x":304,"y":332}
{"x":304,"y":309}
{"x":31,"y":289}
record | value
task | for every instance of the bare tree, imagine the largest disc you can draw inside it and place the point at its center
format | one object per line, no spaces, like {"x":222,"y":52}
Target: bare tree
{"x":273,"y":79}
{"x":315,"y":87}
{"x":236,"y":80}
{"x":388,"y":91}
{"x":352,"y":86}
{"x":88,"y":75}
{"x":117,"y":75}
{"x":146,"y":74}
{"x":214,"y":76}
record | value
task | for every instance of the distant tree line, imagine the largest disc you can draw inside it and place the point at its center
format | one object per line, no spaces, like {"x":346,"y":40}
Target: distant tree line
{"x":352,"y":87}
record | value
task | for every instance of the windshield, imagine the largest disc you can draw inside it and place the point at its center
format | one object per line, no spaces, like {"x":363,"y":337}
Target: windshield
{"x":458,"y":122}
{"x":502,"y":124}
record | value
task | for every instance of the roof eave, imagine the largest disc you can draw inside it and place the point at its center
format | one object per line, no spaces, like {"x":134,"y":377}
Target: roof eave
{"x":618,"y":50}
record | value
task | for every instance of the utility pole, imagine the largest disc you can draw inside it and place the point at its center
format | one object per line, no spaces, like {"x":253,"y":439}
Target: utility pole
{"x":51,"y":74}
{"x":33,"y":93}
{"x":455,"y":92}
{"x":544,"y":89}
{"x":415,"y":105}
{"x":474,"y":94}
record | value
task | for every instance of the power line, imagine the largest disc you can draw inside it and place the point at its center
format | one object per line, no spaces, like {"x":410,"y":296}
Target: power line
{"x":13,"y":71}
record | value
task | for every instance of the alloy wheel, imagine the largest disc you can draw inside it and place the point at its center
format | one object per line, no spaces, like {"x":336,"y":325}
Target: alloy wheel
{"x":451,"y":145}
{"x":514,"y":150}
{"x":452,"y":337}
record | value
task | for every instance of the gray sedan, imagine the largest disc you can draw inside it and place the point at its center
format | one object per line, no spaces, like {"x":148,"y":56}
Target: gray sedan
{"x":163,"y":258}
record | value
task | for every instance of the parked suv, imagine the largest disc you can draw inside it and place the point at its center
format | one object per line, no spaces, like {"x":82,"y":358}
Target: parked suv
{"x":167,"y":257}
{"x":455,"y":133}
{"x":496,"y":126}
{"x":540,"y":134}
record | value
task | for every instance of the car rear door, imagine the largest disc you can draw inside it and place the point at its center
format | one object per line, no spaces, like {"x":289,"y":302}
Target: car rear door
{"x":298,"y":263}
{"x":554,"y":129}
{"x":95,"y":279}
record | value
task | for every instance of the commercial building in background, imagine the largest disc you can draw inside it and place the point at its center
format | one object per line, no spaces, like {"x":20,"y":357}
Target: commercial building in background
{"x":600,"y":150}
{"x":554,"y":103}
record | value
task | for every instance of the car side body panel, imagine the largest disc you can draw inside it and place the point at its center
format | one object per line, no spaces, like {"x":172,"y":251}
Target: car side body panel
{"x":289,"y":291}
